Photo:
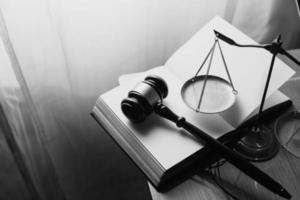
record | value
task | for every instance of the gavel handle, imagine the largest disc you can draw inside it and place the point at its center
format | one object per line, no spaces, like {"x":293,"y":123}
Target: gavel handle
{"x":224,"y":151}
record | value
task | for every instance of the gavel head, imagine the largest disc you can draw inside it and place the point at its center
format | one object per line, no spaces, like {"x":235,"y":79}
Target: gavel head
{"x":140,"y":101}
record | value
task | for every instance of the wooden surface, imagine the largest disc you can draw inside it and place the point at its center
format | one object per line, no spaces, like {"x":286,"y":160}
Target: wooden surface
{"x":284,"y":167}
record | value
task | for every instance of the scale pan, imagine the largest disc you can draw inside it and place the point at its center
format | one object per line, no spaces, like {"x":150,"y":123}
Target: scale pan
{"x":217,"y":97}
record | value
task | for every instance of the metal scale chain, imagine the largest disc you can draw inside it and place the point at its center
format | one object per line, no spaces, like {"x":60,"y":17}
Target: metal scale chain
{"x":211,"y":54}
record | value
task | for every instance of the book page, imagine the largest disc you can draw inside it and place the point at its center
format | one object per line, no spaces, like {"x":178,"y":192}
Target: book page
{"x":126,"y":78}
{"x":166,"y":142}
{"x":248,"y":67}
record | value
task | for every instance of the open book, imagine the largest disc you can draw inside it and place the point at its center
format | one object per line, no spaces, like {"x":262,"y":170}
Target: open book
{"x":166,"y":154}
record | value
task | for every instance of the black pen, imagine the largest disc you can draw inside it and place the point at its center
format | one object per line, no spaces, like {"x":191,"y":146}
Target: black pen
{"x":232,"y":157}
{"x":268,"y":114}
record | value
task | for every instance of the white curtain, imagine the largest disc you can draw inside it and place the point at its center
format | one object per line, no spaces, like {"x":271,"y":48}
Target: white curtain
{"x":70,"y":51}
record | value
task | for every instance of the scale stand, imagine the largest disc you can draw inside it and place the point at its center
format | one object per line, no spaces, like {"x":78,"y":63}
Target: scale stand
{"x":260,"y":143}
